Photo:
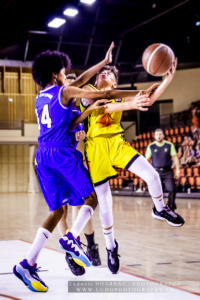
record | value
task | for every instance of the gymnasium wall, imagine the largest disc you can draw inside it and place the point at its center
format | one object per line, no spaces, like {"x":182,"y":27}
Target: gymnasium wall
{"x":14,"y":168}
{"x":17,"y":84}
{"x":184,"y":89}
{"x":17,"y":94}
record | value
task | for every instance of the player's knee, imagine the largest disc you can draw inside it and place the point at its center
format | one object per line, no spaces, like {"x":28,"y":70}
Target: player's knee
{"x":106,"y":219}
{"x":91,"y":200}
{"x":153,"y":178}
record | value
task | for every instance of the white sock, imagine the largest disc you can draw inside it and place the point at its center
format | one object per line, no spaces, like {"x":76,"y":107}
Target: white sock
{"x":159,"y":203}
{"x":81,"y":220}
{"x":39,"y":242}
{"x":142,"y":168}
{"x":109,"y":237}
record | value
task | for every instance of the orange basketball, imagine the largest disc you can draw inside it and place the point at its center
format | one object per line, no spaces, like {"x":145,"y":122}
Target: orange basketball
{"x":157,"y":59}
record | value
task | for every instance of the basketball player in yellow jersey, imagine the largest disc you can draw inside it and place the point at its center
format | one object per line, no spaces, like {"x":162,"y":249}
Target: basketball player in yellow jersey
{"x":106,"y":149}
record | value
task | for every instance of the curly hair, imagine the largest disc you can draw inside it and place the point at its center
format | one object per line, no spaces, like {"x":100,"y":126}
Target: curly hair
{"x":48,"y":62}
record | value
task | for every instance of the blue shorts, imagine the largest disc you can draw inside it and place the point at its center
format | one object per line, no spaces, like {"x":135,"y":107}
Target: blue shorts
{"x":62,"y":176}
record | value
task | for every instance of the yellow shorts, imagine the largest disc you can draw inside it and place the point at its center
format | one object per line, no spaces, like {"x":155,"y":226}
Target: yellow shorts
{"x":103,"y":153}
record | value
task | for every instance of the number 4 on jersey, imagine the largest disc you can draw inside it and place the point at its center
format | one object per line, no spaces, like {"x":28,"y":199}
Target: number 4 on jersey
{"x":45,"y":119}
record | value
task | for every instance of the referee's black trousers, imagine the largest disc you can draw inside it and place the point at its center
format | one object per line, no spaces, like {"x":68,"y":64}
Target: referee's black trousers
{"x":168,"y":183}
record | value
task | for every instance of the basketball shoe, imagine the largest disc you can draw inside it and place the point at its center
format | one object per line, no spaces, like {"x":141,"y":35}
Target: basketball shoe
{"x":70,"y":245}
{"x":170,"y":216}
{"x":28,"y":275}
{"x":76,"y":269}
{"x":93,"y":253}
{"x":113,"y":259}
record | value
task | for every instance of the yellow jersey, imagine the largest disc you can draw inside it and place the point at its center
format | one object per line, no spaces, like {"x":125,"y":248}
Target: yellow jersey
{"x":102,"y":124}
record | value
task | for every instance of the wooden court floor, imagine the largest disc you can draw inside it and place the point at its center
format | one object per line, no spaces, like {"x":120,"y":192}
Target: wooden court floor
{"x":149,"y":248}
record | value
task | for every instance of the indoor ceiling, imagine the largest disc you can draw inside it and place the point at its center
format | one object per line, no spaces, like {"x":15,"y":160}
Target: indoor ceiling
{"x":132,"y":24}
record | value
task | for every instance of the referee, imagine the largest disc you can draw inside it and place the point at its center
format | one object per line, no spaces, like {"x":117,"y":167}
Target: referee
{"x":163,"y":153}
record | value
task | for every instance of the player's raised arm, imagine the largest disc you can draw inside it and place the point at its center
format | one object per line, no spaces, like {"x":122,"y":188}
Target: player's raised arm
{"x":139,"y":102}
{"x":88,"y":74}
{"x":71,"y":92}
{"x":164,"y":84}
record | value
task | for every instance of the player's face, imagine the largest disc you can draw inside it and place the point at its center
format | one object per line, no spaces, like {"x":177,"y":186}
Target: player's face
{"x":106,"y":77}
{"x":61,"y":77}
{"x":159,"y":136}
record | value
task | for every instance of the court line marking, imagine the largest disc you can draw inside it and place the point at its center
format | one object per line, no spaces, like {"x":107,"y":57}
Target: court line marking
{"x":10,"y":297}
{"x":126,"y":271}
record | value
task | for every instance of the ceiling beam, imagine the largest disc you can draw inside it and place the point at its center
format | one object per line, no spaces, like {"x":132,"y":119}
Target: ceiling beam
{"x":125,"y":32}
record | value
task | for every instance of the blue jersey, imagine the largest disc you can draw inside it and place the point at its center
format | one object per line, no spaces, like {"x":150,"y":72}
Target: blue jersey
{"x":79,"y":127}
{"x":62,"y":176}
{"x":54,"y":118}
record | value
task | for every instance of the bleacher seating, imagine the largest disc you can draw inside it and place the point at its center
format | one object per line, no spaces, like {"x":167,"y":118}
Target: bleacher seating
{"x":189,"y":174}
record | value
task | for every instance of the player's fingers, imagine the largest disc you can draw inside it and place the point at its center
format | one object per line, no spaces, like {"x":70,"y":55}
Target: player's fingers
{"x":142,"y":101}
{"x":143,"y":108}
{"x":112,"y":45}
{"x":101,"y":102}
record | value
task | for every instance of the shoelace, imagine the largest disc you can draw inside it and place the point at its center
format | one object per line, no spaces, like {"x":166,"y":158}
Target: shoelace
{"x":113,"y":256}
{"x":73,"y":245}
{"x":80,"y":243}
{"x":34,"y":270}
{"x":170,"y":212}
{"x":114,"y":253}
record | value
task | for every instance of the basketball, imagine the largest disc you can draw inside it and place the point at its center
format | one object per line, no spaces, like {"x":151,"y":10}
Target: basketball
{"x":157,"y":59}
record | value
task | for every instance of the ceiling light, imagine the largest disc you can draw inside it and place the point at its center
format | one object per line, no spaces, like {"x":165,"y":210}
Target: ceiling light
{"x":198,"y":23}
{"x":70,"y":12}
{"x":89,"y":2}
{"x":56,"y":23}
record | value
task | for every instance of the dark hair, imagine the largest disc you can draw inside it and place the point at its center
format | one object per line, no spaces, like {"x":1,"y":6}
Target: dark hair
{"x":71,"y":76}
{"x":159,"y":129}
{"x":113,"y":69}
{"x":48,"y":62}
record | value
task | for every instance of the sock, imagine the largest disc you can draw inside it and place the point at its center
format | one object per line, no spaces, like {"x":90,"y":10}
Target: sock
{"x":159,"y":203}
{"x":90,"y":239}
{"x":109,"y":237}
{"x":81,"y":220}
{"x":38,"y":243}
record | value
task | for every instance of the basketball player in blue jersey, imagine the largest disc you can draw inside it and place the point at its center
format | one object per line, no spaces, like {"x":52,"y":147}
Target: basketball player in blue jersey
{"x":78,"y":134}
{"x":60,"y":170}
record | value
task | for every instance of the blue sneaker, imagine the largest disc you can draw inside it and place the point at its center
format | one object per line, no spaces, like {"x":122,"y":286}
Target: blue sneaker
{"x":28,"y":275}
{"x":72,"y":246}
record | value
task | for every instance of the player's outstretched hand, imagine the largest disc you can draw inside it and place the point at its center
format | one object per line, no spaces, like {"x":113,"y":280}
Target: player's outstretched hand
{"x":151,"y":89}
{"x":108,"y":57}
{"x":99,"y":104}
{"x":141,"y":101}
